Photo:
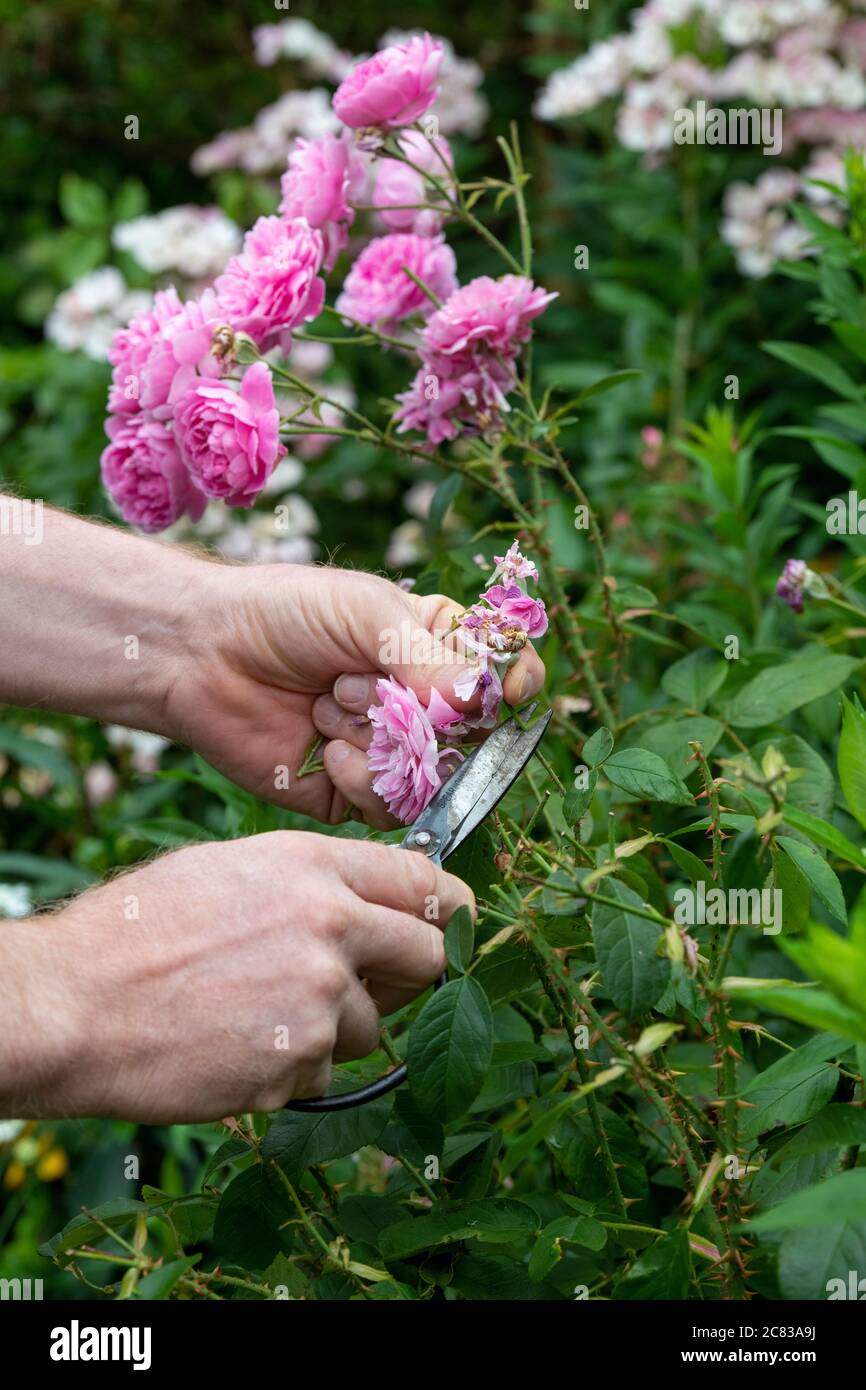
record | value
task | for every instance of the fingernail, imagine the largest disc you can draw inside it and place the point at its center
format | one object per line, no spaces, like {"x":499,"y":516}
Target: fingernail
{"x":338,"y":751}
{"x":327,"y":713}
{"x":352,"y":690}
{"x":529,"y":686}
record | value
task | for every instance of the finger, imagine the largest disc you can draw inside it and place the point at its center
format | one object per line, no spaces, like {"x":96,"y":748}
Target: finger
{"x":335,"y":722}
{"x":347,"y":768}
{"x":398,"y":955}
{"x":408,"y":882}
{"x":358,"y":1028}
{"x":525,"y":678}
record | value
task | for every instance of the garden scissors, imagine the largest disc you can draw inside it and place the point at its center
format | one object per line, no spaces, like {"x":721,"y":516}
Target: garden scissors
{"x":457,"y":809}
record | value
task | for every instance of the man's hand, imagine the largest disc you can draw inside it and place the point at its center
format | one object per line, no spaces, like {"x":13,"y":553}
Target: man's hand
{"x":293,"y":651}
{"x":216,"y":980}
{"x":240,"y":662}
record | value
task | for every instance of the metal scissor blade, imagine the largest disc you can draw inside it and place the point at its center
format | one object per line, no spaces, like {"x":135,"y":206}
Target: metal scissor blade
{"x":476,"y":786}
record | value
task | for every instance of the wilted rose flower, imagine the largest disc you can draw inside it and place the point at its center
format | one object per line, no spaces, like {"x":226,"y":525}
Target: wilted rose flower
{"x":405,"y":753}
{"x":230,"y":439}
{"x":791,"y":584}
{"x":274,"y":283}
{"x":145,"y":475}
{"x":378,"y":290}
{"x":519,"y":608}
{"x":393,"y":88}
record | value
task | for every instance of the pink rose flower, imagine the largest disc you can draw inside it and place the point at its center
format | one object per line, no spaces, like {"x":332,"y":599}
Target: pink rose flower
{"x":130,"y":348}
{"x":229,"y":439}
{"x":323,"y":178}
{"x":398,"y":188}
{"x":518,"y":608}
{"x":393,"y":88}
{"x":494,"y":314}
{"x":378,"y":290}
{"x":404,"y":752}
{"x":182,"y":347}
{"x":273,"y":284}
{"x":144,"y":474}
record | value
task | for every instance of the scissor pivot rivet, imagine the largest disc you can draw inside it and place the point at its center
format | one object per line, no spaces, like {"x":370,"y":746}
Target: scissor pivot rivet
{"x":423,"y":837}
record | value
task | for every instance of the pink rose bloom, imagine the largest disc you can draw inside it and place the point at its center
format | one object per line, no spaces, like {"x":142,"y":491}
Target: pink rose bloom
{"x":493,"y":314}
{"x":229,"y":439}
{"x":130,"y":348}
{"x":323,"y":178}
{"x":273,"y":284}
{"x":518,"y":608}
{"x":393,"y":88}
{"x":144,"y":474}
{"x":404,"y":751}
{"x":512,"y":565}
{"x":398,"y":188}
{"x":182,"y":347}
{"x":378,"y":290}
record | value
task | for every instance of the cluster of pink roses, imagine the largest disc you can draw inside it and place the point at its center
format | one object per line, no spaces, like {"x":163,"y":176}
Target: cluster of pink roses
{"x":184,"y":426}
{"x":180,"y":431}
{"x":405,"y":754}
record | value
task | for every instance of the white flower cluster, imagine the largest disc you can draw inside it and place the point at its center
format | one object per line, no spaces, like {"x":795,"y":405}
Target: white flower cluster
{"x":85,"y":317}
{"x":804,"y":54}
{"x":262,"y":147}
{"x":756,"y":225}
{"x":302,"y":41}
{"x":195,"y":241}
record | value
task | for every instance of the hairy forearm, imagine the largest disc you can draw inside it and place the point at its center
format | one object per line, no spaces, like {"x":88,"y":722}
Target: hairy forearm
{"x":42,"y":1027}
{"x":95,"y":621}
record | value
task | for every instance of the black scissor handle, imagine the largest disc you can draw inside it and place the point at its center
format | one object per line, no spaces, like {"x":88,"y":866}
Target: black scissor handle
{"x":349,"y":1099}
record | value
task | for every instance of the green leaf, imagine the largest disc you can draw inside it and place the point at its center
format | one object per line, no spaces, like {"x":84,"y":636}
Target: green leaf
{"x":566,"y":1230}
{"x":460,"y":939}
{"x":816,"y":1008}
{"x":297,"y":1138}
{"x":778,"y":690}
{"x":82,"y":203}
{"x":844,"y":1193}
{"x":817,"y":364}
{"x":598,"y":747}
{"x":450,"y":1046}
{"x":247,"y":1226}
{"x":606,"y":383}
{"x":84,"y":1230}
{"x":835,"y":1127}
{"x":810,"y":1259}
{"x":495,"y":1219}
{"x":819,"y":874}
{"x":443,"y":497}
{"x":695,"y":678}
{"x":852,"y":757}
{"x":661,"y":1273}
{"x":159,"y":1284}
{"x":625,"y":945}
{"x":793,"y":1089}
{"x":824,"y":834}
{"x":576,"y":802}
{"x":645,"y":775}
